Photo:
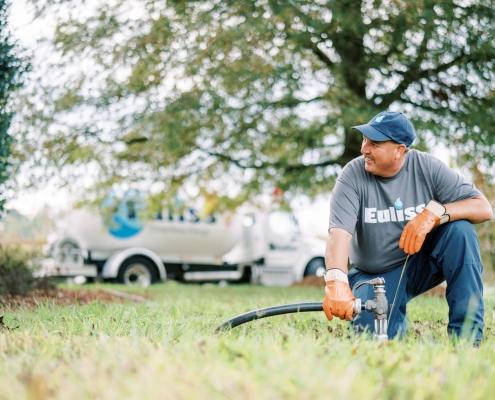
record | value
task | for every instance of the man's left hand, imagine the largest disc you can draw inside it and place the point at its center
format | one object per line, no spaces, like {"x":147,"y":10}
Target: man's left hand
{"x":413,"y":235}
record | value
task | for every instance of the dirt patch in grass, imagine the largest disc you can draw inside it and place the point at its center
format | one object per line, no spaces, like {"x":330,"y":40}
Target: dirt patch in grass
{"x":66,"y":297}
{"x":311,"y":280}
{"x":319,"y":281}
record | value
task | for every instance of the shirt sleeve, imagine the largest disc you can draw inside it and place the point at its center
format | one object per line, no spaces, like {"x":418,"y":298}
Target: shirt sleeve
{"x":344,"y":204}
{"x":449,"y":185}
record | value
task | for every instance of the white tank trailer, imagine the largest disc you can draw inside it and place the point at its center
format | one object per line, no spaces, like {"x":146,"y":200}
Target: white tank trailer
{"x":117,"y":243}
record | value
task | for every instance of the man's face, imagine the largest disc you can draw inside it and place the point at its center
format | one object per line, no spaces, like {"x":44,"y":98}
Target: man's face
{"x":382,"y":158}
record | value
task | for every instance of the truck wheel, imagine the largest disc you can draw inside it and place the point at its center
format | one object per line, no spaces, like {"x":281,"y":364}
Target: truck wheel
{"x":315,"y":267}
{"x":137,"y":271}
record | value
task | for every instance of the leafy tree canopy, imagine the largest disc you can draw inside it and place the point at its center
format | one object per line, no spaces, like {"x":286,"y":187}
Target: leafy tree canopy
{"x":12,"y":67}
{"x":237,"y":96}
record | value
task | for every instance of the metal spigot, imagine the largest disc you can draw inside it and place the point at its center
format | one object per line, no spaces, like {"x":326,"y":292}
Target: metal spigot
{"x":378,"y":306}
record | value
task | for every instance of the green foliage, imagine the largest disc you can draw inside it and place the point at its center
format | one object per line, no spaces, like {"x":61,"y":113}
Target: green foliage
{"x":253,"y":95}
{"x":12,"y":67}
{"x":16,"y":271}
{"x":486,"y":230}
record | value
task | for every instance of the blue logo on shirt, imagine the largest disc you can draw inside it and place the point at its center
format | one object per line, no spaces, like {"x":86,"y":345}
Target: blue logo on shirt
{"x":398,"y":204}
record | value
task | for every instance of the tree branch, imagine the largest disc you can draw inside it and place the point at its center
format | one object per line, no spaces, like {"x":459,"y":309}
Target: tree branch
{"x":231,"y":160}
{"x":292,"y":102}
{"x":342,"y":160}
{"x":414,"y":78}
{"x":320,"y":54}
{"x":410,"y":76}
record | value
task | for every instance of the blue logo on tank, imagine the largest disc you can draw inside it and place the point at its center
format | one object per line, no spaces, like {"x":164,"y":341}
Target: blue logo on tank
{"x":124,"y":217}
{"x":398,"y":204}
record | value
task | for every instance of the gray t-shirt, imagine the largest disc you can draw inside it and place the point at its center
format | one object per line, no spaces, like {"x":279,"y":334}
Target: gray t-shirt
{"x":375,"y":210}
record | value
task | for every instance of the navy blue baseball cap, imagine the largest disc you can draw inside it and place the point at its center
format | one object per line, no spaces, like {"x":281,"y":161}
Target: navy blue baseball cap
{"x":389,"y":125}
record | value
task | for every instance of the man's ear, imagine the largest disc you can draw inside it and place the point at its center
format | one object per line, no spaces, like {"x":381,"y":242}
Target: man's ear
{"x":399,"y":151}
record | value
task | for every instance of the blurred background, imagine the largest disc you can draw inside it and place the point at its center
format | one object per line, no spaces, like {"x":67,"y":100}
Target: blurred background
{"x":228,"y":101}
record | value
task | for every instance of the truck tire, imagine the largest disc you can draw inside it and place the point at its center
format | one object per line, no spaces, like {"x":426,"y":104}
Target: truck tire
{"x":315,"y":267}
{"x":137,"y":271}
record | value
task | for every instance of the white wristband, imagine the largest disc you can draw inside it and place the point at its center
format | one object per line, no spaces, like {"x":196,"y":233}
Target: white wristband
{"x":335,"y":274}
{"x":444,"y":218}
{"x":439,"y":210}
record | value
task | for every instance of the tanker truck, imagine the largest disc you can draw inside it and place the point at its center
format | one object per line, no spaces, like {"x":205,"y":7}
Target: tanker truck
{"x":117,"y":244}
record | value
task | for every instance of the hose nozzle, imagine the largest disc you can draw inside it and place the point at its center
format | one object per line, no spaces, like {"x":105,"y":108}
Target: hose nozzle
{"x":357,"y":306}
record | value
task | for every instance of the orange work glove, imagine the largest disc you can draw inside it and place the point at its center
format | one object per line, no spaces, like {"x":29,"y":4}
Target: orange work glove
{"x":339,"y":300}
{"x":413,"y":235}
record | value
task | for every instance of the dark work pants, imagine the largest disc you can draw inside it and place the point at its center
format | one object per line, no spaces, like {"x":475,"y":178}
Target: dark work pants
{"x":451,"y":252}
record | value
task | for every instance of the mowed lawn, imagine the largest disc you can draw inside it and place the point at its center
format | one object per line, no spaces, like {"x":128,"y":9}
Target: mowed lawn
{"x":167,"y":349}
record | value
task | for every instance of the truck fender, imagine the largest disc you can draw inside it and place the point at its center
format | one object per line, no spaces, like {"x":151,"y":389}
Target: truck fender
{"x":314,"y":249}
{"x":113,"y":263}
{"x":302,"y":264}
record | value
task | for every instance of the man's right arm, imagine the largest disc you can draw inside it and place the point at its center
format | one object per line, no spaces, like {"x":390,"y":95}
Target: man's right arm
{"x":337,"y":250}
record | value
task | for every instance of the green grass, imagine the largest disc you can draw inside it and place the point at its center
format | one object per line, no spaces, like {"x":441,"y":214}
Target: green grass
{"x":167,"y":349}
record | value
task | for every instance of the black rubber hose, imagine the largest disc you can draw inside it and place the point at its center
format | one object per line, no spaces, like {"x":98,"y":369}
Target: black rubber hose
{"x":269,"y":312}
